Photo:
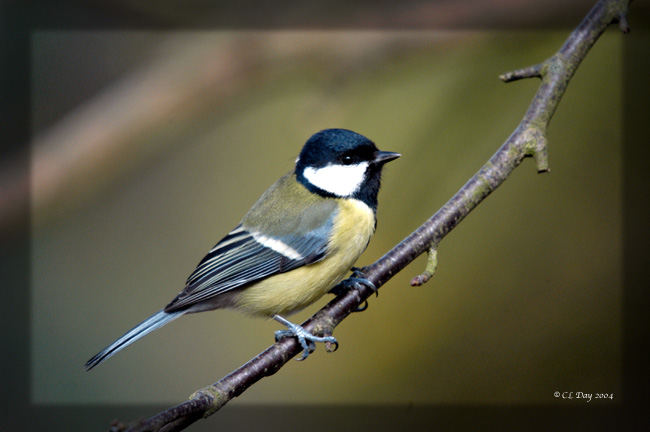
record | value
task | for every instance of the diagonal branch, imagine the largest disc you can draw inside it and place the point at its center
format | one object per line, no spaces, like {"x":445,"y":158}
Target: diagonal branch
{"x":528,"y":140}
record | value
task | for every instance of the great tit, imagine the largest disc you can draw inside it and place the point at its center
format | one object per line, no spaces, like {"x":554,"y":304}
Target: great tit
{"x":296,"y":242}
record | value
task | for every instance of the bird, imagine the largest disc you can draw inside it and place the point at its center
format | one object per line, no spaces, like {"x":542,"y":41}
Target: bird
{"x":294,"y":245}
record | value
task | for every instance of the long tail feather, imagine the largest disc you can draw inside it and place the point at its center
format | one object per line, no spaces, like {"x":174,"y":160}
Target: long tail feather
{"x":144,"y":328}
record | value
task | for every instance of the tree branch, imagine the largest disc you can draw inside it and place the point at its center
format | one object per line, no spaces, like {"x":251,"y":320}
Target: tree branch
{"x":528,"y":140}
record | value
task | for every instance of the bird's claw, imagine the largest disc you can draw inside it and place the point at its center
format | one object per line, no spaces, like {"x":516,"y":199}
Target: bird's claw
{"x":305,"y":338}
{"x":359,"y":278}
{"x":355,"y":281}
{"x":362,"y":307}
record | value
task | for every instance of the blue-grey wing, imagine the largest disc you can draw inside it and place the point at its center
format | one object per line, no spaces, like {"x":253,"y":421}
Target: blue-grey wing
{"x":243,"y":257}
{"x":288,"y":227}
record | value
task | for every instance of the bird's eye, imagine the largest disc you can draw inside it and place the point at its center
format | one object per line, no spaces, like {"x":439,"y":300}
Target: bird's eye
{"x":347,"y":160}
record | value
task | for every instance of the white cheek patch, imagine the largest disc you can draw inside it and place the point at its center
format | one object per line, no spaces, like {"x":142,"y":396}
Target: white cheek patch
{"x":340,"y":180}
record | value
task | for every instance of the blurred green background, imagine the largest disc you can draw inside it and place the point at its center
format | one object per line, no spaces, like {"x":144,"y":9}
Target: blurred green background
{"x":150,"y":146}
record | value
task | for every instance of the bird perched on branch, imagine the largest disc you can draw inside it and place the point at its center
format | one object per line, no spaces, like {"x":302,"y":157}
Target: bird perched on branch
{"x":293,"y":246}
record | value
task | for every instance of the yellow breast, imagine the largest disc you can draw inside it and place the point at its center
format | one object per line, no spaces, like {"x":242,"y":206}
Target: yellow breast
{"x":290,"y":292}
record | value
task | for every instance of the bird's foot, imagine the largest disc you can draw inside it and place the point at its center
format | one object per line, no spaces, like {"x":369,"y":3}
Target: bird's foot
{"x":306,"y":339}
{"x":355,"y":281}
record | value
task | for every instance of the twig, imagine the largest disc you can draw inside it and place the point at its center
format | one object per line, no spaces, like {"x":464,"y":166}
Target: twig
{"x":529,"y":139}
{"x":432,"y":264}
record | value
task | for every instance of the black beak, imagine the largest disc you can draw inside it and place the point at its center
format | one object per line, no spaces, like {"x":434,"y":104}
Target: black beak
{"x":381,"y":157}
